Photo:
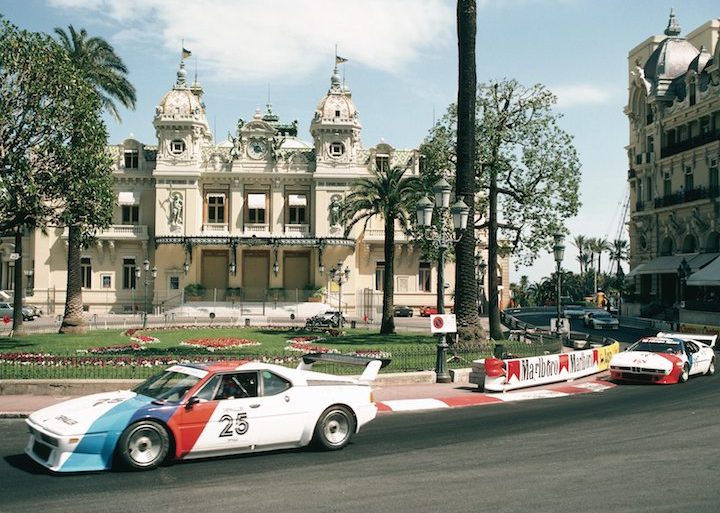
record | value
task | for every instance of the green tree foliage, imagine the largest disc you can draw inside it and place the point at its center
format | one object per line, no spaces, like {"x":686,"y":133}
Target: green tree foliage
{"x":389,"y":195}
{"x":44,"y":105}
{"x":527,"y":173}
{"x":96,"y":60}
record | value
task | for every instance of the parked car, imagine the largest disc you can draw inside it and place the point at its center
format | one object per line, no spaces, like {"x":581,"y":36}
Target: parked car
{"x":598,"y":319}
{"x":328,"y":319}
{"x":662,"y":360}
{"x":573,"y":311}
{"x":427,"y":311}
{"x":403,"y":311}
{"x":29,"y":313}
{"x":202,"y":410}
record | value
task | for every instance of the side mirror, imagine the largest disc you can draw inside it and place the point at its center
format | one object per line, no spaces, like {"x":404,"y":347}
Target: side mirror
{"x":192,"y":401}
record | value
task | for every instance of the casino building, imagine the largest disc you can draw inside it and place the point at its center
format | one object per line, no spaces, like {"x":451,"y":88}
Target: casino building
{"x":251,"y":219}
{"x":674,"y":150}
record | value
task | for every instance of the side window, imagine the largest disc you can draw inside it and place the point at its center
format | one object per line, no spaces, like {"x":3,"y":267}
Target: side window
{"x":208,"y":391}
{"x":237,"y":386}
{"x":273,"y":384}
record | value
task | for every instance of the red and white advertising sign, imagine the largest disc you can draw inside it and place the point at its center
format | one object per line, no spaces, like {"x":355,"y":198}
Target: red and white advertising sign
{"x":444,"y":323}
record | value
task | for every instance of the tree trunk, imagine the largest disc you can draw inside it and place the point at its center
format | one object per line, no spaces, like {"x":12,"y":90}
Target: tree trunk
{"x":387,"y":326}
{"x":465,"y":282}
{"x":493,"y":303}
{"x":18,"y":329}
{"x":73,"y":321}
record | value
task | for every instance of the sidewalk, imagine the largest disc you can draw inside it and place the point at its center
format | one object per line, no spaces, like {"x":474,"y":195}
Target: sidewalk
{"x":389,"y":398}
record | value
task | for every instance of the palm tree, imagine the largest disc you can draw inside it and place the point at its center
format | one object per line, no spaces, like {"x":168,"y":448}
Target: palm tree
{"x":598,"y":246}
{"x":520,"y":291}
{"x":618,"y":253}
{"x":465,"y":283}
{"x":386,"y":194}
{"x":105,"y":71}
{"x":580,"y":242}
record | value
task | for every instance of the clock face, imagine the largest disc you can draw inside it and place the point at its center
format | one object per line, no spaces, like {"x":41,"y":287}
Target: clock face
{"x":257,"y":148}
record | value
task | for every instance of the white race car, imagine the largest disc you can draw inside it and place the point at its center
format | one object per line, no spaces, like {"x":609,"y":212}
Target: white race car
{"x":202,"y":410}
{"x":662,"y":360}
{"x":598,"y":319}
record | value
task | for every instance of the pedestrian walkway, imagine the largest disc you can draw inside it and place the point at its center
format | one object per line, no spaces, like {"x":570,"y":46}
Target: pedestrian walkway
{"x":389,"y":398}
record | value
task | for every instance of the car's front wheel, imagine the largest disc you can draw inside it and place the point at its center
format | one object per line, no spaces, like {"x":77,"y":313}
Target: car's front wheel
{"x":684,"y":374}
{"x":144,"y":445}
{"x":334,"y":428}
{"x":711,"y":368}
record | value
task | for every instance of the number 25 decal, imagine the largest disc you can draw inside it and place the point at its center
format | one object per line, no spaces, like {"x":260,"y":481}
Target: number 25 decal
{"x":241,"y":425}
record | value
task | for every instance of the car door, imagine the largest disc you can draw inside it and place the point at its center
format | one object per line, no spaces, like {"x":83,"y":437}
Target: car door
{"x":699,"y":359}
{"x":222,"y":418}
{"x":281,"y":411}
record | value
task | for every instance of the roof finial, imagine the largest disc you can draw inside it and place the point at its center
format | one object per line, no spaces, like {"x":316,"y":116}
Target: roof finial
{"x":673,"y":29}
{"x":181,"y":76}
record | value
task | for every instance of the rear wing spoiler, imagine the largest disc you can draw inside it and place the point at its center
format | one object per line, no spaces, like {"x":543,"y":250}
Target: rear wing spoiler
{"x":708,"y":340}
{"x":372,"y":365}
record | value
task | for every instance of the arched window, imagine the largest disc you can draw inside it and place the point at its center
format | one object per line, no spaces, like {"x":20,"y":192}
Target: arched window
{"x":713,"y":243}
{"x":667,"y":246}
{"x":689,"y":244}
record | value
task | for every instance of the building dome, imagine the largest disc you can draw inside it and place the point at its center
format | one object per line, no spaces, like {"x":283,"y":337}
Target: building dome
{"x":672,"y":57}
{"x":700,"y":61}
{"x":337,"y":106}
{"x":181,"y":102}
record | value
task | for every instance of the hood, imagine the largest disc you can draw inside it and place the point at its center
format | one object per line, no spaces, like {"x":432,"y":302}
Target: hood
{"x":76,"y":416}
{"x":646,"y":359}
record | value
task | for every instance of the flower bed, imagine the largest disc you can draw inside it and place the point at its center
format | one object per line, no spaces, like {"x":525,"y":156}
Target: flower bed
{"x":140,"y":338}
{"x":212,"y":344}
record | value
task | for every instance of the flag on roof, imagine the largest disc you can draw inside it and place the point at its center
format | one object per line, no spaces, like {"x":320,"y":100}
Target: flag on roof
{"x":340,"y":60}
{"x":186,"y":53}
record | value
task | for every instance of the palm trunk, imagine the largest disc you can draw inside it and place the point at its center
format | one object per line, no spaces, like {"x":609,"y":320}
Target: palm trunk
{"x":73,"y":321}
{"x":493,"y":303}
{"x":387,"y":326}
{"x":465,"y":282}
{"x":18,"y":328}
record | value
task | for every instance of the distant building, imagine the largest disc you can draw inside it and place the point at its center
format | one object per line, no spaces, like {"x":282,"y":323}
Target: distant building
{"x":251,"y":219}
{"x":674,"y":150}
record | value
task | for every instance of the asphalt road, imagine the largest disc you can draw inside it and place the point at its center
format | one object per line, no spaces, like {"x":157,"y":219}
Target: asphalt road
{"x":623,"y":334}
{"x":632,"y":448}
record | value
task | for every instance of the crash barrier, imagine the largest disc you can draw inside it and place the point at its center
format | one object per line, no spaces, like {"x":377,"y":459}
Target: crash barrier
{"x":503,"y":375}
{"x":699,"y":328}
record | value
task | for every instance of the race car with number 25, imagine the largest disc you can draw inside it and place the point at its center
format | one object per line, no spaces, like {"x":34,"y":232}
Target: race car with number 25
{"x":202,"y":410}
{"x":662,"y":359}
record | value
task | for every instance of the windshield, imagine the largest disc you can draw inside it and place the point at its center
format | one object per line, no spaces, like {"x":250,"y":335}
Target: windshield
{"x":656,"y":347}
{"x":603,"y":317}
{"x":167,"y":386}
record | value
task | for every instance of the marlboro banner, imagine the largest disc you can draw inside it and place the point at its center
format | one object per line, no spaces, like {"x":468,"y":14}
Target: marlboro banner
{"x":502,"y":375}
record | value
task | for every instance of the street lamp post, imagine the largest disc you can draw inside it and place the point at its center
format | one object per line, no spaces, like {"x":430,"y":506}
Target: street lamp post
{"x":558,"y":253}
{"x":441,"y":240}
{"x":152,"y":275}
{"x":339,"y":276}
{"x":684,"y":273}
{"x":480,"y":267}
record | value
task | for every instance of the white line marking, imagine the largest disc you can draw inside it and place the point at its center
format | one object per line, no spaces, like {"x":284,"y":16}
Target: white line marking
{"x":527,"y":395}
{"x":415,"y":404}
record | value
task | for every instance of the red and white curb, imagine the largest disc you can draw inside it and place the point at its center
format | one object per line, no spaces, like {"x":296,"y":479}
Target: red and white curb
{"x":476,"y":399}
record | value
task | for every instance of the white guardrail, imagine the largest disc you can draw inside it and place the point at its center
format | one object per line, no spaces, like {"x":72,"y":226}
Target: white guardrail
{"x":503,"y":375}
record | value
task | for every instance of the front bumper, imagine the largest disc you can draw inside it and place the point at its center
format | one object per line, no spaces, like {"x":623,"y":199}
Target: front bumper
{"x":75,"y":453}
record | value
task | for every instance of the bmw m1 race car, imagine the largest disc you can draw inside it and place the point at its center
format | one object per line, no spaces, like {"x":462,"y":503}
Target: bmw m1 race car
{"x":202,"y":410}
{"x":662,"y":359}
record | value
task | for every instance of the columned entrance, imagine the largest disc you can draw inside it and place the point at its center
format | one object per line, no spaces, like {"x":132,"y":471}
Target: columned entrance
{"x":215,"y":273}
{"x":255,"y":274}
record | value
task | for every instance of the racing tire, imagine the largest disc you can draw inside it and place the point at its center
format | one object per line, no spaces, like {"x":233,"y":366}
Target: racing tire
{"x":684,"y":374}
{"x":143,"y":445}
{"x":711,"y":368}
{"x":334,"y":429}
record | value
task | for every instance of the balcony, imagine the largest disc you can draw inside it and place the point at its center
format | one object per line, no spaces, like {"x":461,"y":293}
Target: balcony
{"x":130,"y":232}
{"x":215,"y":228}
{"x":378,"y":234}
{"x":687,"y":196}
{"x":251,"y":229}
{"x":688,"y":144}
{"x":297,"y":230}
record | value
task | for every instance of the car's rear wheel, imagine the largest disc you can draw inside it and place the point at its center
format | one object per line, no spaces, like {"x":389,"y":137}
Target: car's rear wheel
{"x":684,"y":374}
{"x":144,"y":445}
{"x":334,"y":428}
{"x":711,"y":368}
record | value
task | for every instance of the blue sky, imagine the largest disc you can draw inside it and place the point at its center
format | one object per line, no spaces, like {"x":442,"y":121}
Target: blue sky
{"x":401,"y":68}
